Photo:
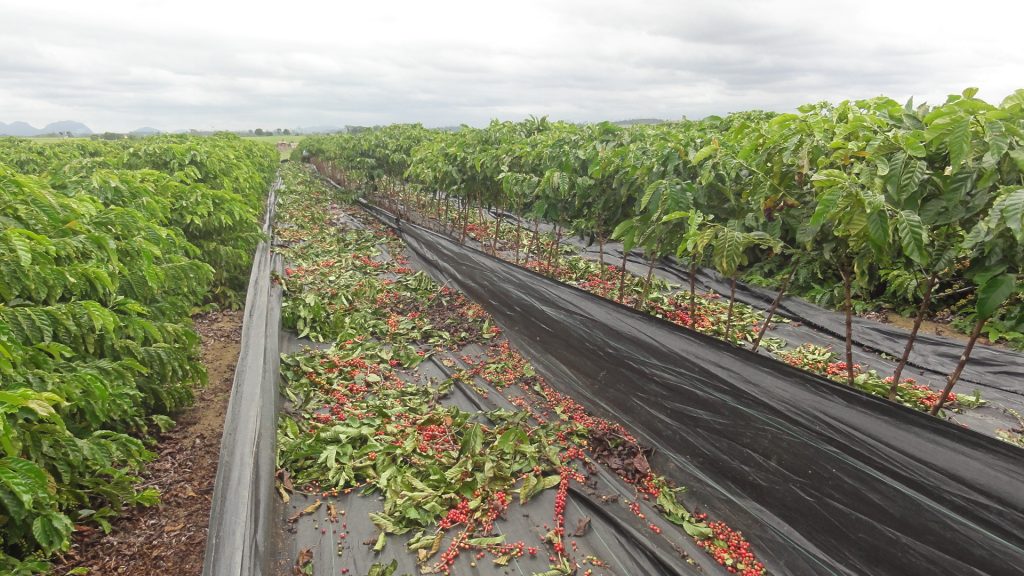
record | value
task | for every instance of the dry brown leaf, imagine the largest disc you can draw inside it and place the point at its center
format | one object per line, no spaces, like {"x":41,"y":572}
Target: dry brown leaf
{"x":304,"y":560}
{"x":581,"y":526}
{"x":286,"y":479}
{"x":307,"y":510}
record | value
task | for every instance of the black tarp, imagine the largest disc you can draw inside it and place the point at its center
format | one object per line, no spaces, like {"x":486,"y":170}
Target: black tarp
{"x":990,"y":368}
{"x":997,"y":374}
{"x":242,"y":522}
{"x":613,"y":534}
{"x":821,"y":478}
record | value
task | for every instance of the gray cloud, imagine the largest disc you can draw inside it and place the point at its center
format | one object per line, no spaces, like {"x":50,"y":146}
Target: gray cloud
{"x":190,"y":64}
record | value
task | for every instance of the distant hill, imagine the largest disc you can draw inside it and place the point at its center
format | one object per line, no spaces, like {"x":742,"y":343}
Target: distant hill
{"x":145,"y":131}
{"x":25,"y":129}
{"x":75,"y":128}
{"x":317,"y":130}
{"x":638,"y":121}
{"x":17,"y":129}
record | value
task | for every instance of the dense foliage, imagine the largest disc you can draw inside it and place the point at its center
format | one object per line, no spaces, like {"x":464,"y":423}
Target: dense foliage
{"x":211,"y":190}
{"x":106,"y":249}
{"x":919,"y":208}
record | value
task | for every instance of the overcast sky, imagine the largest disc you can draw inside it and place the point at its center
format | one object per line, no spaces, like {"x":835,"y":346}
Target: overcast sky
{"x":237,"y":65}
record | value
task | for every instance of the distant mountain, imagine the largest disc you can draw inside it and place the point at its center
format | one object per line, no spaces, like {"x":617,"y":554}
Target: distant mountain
{"x":318,"y":130}
{"x":145,"y":131}
{"x":75,"y":128}
{"x":24,"y":129}
{"x":17,"y":129}
{"x":635,"y":121}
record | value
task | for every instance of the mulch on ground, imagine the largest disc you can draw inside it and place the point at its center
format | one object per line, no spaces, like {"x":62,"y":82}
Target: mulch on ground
{"x":171,"y":538}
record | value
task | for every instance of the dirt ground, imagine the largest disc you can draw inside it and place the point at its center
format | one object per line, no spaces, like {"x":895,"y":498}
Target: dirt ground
{"x":171,"y":538}
{"x":936,"y":328}
{"x":927,"y":326}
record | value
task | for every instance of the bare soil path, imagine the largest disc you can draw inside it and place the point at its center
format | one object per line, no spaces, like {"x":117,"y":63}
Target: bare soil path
{"x":171,"y":538}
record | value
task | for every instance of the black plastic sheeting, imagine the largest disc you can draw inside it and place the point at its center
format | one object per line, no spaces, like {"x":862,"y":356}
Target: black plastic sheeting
{"x":935,"y":356}
{"x":242,"y":521}
{"x":821,"y":478}
{"x":989,"y":367}
{"x":613,"y":533}
{"x":996,"y":374}
{"x":253,"y":532}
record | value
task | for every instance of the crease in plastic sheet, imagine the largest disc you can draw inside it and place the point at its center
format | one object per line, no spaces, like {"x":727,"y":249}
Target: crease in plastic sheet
{"x":823,"y":479}
{"x":241,"y":516}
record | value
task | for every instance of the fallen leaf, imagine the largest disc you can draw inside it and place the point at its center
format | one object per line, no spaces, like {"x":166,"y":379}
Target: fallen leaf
{"x":285,"y":479}
{"x":304,"y":563}
{"x":581,"y":526}
{"x":308,"y":510}
{"x":641,"y":464}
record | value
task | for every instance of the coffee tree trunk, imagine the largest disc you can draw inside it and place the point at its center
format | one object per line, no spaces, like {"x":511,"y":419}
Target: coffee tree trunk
{"x":773,"y":308}
{"x":732,"y":303}
{"x":622,"y":275}
{"x":848,"y":305}
{"x":951,"y":381}
{"x":554,"y":247}
{"x":535,"y":245}
{"x":497,"y":232}
{"x":921,"y":311}
{"x":465,"y":224}
{"x":519,"y":239}
{"x":647,"y":281}
{"x":693,"y":294}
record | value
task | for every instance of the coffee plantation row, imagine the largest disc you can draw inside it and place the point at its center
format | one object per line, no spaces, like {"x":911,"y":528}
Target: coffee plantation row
{"x":859,"y":204}
{"x":106,"y":250}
